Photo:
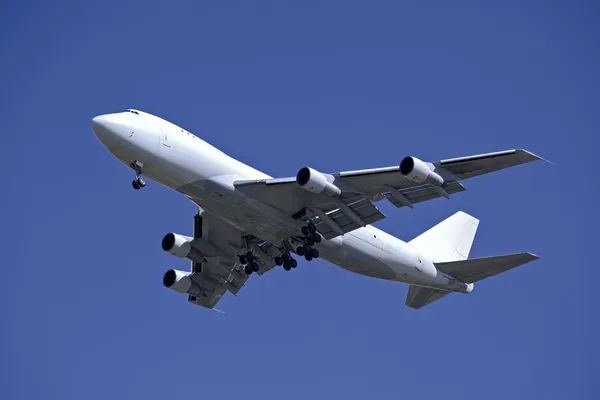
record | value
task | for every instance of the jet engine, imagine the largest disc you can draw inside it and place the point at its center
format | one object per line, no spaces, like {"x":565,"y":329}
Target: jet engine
{"x":315,"y":182}
{"x":181,"y":246}
{"x":178,"y":281}
{"x":420,"y":172}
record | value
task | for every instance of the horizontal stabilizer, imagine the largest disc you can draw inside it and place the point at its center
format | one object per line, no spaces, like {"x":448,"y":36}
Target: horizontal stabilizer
{"x":468,"y":271}
{"x":421,"y":296}
{"x":476,"y":269}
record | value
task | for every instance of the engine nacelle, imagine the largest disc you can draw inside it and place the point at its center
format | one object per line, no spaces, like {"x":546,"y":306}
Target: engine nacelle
{"x":418,"y":171}
{"x":315,"y":182}
{"x":181,"y":246}
{"x":178,"y":281}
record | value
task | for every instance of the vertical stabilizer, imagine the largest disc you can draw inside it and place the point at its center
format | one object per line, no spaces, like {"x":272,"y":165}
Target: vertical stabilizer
{"x":450,"y":240}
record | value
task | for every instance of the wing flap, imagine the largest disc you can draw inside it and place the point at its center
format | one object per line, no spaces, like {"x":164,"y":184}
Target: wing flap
{"x":418,"y":194}
{"x":365,"y":209}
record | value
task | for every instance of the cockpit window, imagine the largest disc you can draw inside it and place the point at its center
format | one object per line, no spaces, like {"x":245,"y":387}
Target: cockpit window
{"x":132,"y":111}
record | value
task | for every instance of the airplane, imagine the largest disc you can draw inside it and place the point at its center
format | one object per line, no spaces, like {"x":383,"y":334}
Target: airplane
{"x":248,"y":222}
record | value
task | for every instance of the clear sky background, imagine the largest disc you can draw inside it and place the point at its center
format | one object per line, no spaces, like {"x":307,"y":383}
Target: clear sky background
{"x":334,"y":85}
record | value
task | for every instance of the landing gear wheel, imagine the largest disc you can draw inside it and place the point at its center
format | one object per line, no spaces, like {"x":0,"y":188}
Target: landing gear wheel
{"x":243,"y":260}
{"x":254,"y":267}
{"x":141,"y":181}
{"x":278,"y":261}
{"x":314,"y":253}
{"x":300,"y":251}
{"x":308,"y":257}
{"x":310,"y":240}
{"x":317,"y":238}
{"x":293,"y":263}
{"x":285,"y":257}
{"x":305,"y":231}
{"x":312,"y":228}
{"x":249,"y":256}
{"x":248,"y":269}
{"x":135,"y":184}
{"x":287,"y":265}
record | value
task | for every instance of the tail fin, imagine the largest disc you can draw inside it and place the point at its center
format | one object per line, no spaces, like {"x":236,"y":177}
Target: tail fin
{"x":450,"y":240}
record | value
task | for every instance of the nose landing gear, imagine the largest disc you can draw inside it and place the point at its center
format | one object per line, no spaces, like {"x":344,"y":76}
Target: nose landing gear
{"x":139,"y":181}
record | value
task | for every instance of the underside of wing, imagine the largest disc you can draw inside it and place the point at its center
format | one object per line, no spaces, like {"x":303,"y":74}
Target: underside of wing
{"x":343,"y":201}
{"x":333,"y":215}
{"x":471,"y":166}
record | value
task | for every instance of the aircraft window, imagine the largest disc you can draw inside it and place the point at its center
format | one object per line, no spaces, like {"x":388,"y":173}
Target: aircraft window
{"x":131,"y":111}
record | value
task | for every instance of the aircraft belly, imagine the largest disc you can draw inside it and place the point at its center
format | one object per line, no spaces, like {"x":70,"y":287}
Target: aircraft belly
{"x":363,"y":258}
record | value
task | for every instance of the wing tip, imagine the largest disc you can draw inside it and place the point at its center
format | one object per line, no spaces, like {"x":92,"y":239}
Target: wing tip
{"x":533,"y":157}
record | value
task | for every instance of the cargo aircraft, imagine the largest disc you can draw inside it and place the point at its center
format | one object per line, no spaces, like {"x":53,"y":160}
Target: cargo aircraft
{"x":248,"y":222}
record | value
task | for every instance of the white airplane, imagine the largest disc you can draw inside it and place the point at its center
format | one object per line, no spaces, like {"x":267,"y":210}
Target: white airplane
{"x":250,"y":222}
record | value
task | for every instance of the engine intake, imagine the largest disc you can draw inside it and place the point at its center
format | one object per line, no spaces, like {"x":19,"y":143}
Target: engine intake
{"x":315,"y":182}
{"x":181,"y":246}
{"x":178,"y":281}
{"x":418,"y":171}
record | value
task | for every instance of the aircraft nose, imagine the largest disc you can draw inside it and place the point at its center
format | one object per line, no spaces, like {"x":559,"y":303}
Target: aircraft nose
{"x":108,"y":130}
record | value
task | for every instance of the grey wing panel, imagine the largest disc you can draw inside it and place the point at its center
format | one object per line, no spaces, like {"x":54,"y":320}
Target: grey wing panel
{"x":418,"y":297}
{"x":468,"y":167}
{"x":372,"y":181}
{"x":476,"y":269}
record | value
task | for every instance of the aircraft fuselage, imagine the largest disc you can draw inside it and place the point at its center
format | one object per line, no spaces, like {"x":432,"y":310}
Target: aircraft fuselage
{"x":183,"y":162}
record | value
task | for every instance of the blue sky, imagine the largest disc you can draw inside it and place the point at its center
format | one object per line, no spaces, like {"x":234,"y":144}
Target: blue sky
{"x":279,"y":85}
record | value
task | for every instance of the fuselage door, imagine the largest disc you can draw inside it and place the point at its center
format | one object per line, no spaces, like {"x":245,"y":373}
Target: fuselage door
{"x":164,"y":138}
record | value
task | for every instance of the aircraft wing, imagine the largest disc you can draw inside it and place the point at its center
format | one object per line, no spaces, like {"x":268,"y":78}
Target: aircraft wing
{"x":338,"y":213}
{"x":221,"y":271}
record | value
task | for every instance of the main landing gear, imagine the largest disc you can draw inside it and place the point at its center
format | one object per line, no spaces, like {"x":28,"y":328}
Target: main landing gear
{"x":139,"y":181}
{"x":287,"y":261}
{"x":311,"y":237}
{"x":249,"y":262}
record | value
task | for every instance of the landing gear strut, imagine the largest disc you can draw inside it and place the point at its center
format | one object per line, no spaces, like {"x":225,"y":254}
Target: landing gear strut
{"x":139,"y":181}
